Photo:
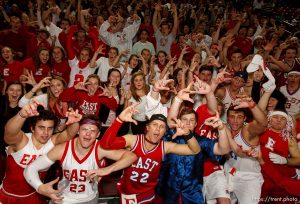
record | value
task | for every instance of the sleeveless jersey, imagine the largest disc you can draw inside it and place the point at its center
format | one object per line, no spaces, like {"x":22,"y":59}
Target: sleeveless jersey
{"x":80,"y":188}
{"x":142,"y":176}
{"x":292,"y":104}
{"x":14,"y":182}
{"x":271,"y":141}
{"x":203,"y":130}
{"x":246,"y":164}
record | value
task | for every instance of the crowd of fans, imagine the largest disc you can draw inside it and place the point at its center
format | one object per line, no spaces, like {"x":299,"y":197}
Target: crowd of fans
{"x":199,"y":101}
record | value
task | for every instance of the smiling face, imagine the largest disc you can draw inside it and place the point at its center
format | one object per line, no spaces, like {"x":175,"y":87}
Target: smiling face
{"x":44,"y":56}
{"x":84,"y":55}
{"x":236,"y":120}
{"x":56,"y":87}
{"x":114,"y":78}
{"x":155,"y":131}
{"x":189,"y":121}
{"x":133,"y":62}
{"x":87,"y":135}
{"x":14,"y":92}
{"x":272,"y":103}
{"x":93,"y":85}
{"x":139,"y":82}
{"x":7,"y":55}
{"x":161,"y":58}
{"x":57,"y":55}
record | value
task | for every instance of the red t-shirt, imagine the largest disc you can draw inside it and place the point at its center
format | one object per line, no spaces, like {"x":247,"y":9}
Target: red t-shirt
{"x":11,"y":72}
{"x":38,"y":73}
{"x":62,"y":69}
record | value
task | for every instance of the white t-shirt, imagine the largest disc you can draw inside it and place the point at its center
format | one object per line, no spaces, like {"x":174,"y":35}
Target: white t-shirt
{"x":77,"y":74}
{"x":104,"y":67}
{"x":141,"y":115}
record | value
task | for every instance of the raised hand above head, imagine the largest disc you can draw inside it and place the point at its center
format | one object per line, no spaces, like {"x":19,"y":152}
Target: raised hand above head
{"x":161,"y":85}
{"x":243,"y":101}
{"x":214,"y":121}
{"x":221,"y":77}
{"x":73,"y":116}
{"x":200,"y":87}
{"x":184,"y":94}
{"x":30,"y":109}
{"x":126,"y":114}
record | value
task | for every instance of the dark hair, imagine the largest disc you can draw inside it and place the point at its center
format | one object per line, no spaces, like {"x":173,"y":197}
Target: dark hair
{"x":280,"y":98}
{"x":118,"y":85}
{"x":115,"y":48}
{"x":186,"y":111}
{"x":37,"y":60}
{"x":13,"y":52}
{"x":206,"y":68}
{"x":133,"y":89}
{"x":291,"y":48}
{"x":231,"y":108}
{"x":43,"y":115}
{"x":6,"y":106}
{"x":62,"y":51}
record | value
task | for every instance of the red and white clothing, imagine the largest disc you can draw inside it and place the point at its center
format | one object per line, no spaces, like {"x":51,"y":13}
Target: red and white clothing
{"x":79,"y":71}
{"x":104,"y":67}
{"x":243,"y":174}
{"x":142,"y":176}
{"x":38,"y":72}
{"x":85,"y":103}
{"x":12,"y":72}
{"x":292,"y":104}
{"x":80,"y":188}
{"x":227,"y":100}
{"x":62,"y":69}
{"x":14,"y":183}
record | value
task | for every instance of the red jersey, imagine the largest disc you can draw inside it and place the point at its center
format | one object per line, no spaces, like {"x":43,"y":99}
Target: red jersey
{"x":85,"y":103}
{"x":271,"y":141}
{"x":38,"y":72}
{"x":14,"y":183}
{"x":62,"y":69}
{"x":12,"y":72}
{"x":210,"y":133}
{"x":142,"y":176}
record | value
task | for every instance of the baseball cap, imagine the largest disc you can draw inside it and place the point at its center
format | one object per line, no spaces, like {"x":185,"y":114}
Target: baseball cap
{"x":242,"y":74}
{"x":160,"y":117}
{"x":254,"y":64}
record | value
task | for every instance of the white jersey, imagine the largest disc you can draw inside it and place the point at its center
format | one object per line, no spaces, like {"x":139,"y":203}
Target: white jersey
{"x":79,"y":188}
{"x":227,"y":101}
{"x":77,"y":74}
{"x":104,"y":67}
{"x":292,"y":104}
{"x":246,"y":164}
{"x":29,"y":152}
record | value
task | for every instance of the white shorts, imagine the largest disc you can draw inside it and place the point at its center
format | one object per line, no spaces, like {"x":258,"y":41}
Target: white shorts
{"x":215,"y":186}
{"x":246,"y":186}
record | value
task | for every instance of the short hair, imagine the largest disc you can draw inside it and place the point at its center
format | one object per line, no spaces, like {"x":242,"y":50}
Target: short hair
{"x":188,"y":110}
{"x":90,"y":117}
{"x":44,"y":115}
{"x":94,"y":76}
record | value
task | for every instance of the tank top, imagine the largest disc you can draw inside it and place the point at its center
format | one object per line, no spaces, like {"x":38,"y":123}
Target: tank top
{"x":80,"y":188}
{"x":14,"y":182}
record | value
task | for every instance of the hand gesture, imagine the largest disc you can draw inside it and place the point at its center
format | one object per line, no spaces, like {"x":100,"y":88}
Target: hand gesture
{"x":86,"y":13}
{"x":105,"y":92}
{"x":243,"y":101}
{"x":81,"y":86}
{"x":44,"y":82}
{"x":128,"y":95}
{"x":30,"y":110}
{"x":48,"y":190}
{"x":28,"y":78}
{"x":214,"y":121}
{"x":181,"y":129}
{"x":100,"y":50}
{"x":184,"y":94}
{"x":229,"y":42}
{"x":73,"y":116}
{"x":158,"y":7}
{"x":184,"y":50}
{"x":200,"y":87}
{"x":126,"y":114}
{"x":124,"y":52}
{"x":172,"y":60}
{"x":161,"y":85}
{"x":221,"y":77}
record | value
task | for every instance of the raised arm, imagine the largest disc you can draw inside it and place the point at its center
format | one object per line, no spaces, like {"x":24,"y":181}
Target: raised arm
{"x":13,"y":134}
{"x":175,"y":20}
{"x":155,"y":17}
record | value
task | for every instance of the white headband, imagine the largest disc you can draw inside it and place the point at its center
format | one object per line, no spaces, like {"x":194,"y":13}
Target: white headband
{"x":294,"y":72}
{"x":279,"y":113}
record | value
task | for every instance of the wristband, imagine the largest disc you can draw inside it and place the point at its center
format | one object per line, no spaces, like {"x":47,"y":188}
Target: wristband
{"x":120,"y":119}
{"x":189,"y":136}
{"x":177,"y":99}
{"x":21,"y":115}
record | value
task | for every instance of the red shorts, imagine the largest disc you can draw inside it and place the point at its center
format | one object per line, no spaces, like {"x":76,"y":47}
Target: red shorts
{"x":35,"y":198}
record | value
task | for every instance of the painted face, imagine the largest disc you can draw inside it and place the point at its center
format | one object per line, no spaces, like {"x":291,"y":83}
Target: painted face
{"x":189,"y":120}
{"x":84,"y":55}
{"x":56,"y":87}
{"x":57,"y":55}
{"x":236,"y":120}
{"x":44,"y":56}
{"x":88,"y":134}
{"x":93,"y":86}
{"x":14,"y":93}
{"x":114,"y":78}
{"x":155,"y":131}
{"x":43,"y":131}
{"x":7,"y":55}
{"x":139,"y":82}
{"x":278,"y":123}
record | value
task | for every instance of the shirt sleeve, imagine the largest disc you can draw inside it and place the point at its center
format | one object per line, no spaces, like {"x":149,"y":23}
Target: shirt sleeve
{"x":207,"y":148}
{"x":154,"y":106}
